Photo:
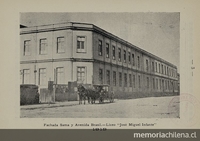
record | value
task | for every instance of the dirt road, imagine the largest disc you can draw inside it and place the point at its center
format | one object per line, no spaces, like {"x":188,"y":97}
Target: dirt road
{"x":153,"y":107}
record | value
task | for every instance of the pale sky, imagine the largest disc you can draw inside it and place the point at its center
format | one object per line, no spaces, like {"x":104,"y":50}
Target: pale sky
{"x":157,"y":33}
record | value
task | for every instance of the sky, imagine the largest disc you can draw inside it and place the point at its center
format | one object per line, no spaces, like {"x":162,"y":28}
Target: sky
{"x":157,"y":33}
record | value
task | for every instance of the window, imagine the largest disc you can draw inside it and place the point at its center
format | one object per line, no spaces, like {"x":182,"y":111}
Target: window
{"x":168,"y":85}
{"x":160,"y":84}
{"x":153,"y":83}
{"x":163,"y":85}
{"x":100,"y":48}
{"x":165,"y":69}
{"x":60,"y":45}
{"x":130,"y":80}
{"x":101,"y":76}
{"x":124,"y":56}
{"x":138,"y":61}
{"x":162,"y":69}
{"x":125,"y":80}
{"x":114,"y":78}
{"x":27,"y":47}
{"x":172,"y":85}
{"x":119,"y":54}
{"x":139,"y":85}
{"x":170,"y":72}
{"x":81,"y":44}
{"x":173,"y":73}
{"x":133,"y":57}
{"x":147,"y":82}
{"x":107,"y":50}
{"x":159,"y":68}
{"x":113,"y":48}
{"x":120,"y":79}
{"x":147,"y":64}
{"x":60,"y":75}
{"x":156,"y":67}
{"x":152,"y":66}
{"x":43,"y":46}
{"x":81,"y":74}
{"x":42,"y":77}
{"x":108,"y":76}
{"x":133,"y":81}
{"x":129,"y":57}
{"x":157,"y":84}
{"x":26,"y":76}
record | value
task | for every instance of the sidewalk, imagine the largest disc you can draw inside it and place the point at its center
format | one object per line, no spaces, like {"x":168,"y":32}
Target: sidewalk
{"x":52,"y":105}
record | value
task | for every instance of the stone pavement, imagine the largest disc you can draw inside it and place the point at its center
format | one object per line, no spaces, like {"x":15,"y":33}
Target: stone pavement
{"x":46,"y":105}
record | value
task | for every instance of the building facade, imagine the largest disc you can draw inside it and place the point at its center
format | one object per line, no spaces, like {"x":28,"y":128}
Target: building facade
{"x":88,"y":54}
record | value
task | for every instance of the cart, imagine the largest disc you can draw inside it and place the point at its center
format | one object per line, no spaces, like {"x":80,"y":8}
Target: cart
{"x":105,"y":92}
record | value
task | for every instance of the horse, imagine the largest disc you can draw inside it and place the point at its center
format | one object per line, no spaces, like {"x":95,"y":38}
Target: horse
{"x":82,"y":94}
{"x":92,"y":94}
{"x":88,"y":93}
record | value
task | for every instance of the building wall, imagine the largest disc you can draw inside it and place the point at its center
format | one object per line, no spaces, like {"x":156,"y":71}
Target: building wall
{"x":88,"y":45}
{"x":31,"y":68}
{"x":50,"y":72}
{"x":32,"y":38}
{"x":88,"y":71}
{"x":53,"y":59}
{"x":67,"y":34}
{"x":153,"y":79}
{"x":147,"y":72}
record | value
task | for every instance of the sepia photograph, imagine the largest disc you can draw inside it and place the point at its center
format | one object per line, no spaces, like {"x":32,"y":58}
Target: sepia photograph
{"x":99,"y":65}
{"x":100,"y":70}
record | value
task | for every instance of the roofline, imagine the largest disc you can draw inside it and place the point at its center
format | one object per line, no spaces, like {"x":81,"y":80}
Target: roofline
{"x":88,"y":27}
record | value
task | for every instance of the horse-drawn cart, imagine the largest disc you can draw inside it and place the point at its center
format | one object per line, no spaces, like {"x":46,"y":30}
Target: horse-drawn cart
{"x":105,"y":92}
{"x":93,"y":92}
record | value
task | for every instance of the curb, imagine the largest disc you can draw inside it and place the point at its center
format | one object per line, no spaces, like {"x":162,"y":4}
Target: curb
{"x":47,"y":106}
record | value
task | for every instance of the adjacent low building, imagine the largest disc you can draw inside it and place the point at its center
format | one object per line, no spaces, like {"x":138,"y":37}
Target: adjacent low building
{"x":88,"y":54}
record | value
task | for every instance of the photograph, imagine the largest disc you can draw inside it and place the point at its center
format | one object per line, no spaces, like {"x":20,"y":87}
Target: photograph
{"x":99,"y":65}
{"x":100,"y":70}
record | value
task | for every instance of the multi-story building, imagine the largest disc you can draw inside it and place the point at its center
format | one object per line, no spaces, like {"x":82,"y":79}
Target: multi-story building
{"x":88,"y":54}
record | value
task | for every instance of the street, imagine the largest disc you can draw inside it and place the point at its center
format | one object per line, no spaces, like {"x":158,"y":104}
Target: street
{"x":151,"y":107}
